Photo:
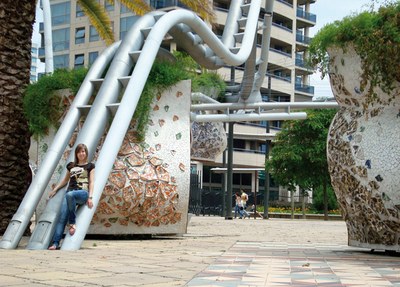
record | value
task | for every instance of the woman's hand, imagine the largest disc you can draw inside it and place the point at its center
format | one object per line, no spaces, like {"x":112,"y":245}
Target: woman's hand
{"x":52,"y":193}
{"x":89,"y":202}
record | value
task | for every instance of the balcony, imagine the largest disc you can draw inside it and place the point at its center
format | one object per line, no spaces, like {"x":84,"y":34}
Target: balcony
{"x":301,"y":63}
{"x":41,"y":52}
{"x":280,"y":52}
{"x":303,"y":39}
{"x":160,"y":4}
{"x":285,"y":2}
{"x":279,"y":77}
{"x":306,"y":15}
{"x":281,"y":26}
{"x":304,"y":89}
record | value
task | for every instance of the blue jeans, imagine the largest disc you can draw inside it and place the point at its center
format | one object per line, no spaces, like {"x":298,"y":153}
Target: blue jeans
{"x":68,"y":211}
{"x":238,"y":211}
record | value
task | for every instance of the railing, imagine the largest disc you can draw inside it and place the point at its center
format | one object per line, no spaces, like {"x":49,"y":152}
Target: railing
{"x":165,"y":3}
{"x":282,"y":27}
{"x":286,"y":79}
{"x":280,"y":52}
{"x":304,"y":88}
{"x":306,"y":15}
{"x":243,"y":150}
{"x":303,"y":39}
{"x":285,"y":2}
{"x":302,"y":63}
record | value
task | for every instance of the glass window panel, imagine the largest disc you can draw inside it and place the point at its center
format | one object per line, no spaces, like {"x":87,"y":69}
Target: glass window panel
{"x":93,"y":34}
{"x":60,"y":39}
{"x":80,"y":35}
{"x":92,"y":57}
{"x":125,"y":24}
{"x":61,"y":61}
{"x":60,"y":13}
{"x":79,"y":60}
{"x":79,"y":11}
{"x":108,"y":6}
{"x":124,"y":9}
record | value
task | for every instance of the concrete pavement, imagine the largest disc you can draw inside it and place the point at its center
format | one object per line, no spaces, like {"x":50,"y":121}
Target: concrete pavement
{"x":214,"y":252}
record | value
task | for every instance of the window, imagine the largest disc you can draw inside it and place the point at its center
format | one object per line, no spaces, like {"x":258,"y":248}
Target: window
{"x":126,"y":24}
{"x":80,"y":35}
{"x":93,"y":34}
{"x":60,"y":13}
{"x":61,"y":61}
{"x":92,"y":57}
{"x":240,"y":144}
{"x":79,"y":11}
{"x":124,"y":9}
{"x":79,"y":60}
{"x":60,"y":39}
{"x":108,"y":6}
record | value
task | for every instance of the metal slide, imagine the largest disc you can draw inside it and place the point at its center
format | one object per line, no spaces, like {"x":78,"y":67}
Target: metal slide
{"x":139,"y":48}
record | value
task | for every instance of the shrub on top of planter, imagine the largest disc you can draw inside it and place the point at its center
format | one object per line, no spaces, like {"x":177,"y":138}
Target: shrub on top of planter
{"x":375,"y":36}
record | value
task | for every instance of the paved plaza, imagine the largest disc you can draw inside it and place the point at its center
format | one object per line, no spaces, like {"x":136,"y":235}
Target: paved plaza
{"x":214,"y":252}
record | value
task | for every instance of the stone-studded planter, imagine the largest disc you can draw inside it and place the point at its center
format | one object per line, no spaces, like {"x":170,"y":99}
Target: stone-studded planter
{"x":147,"y":191}
{"x":208,"y":140}
{"x":364,"y":155}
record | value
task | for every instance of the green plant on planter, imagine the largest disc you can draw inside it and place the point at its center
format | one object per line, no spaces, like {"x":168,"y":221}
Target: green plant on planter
{"x":162,"y":76}
{"x":375,"y":36}
{"x":42,"y":105}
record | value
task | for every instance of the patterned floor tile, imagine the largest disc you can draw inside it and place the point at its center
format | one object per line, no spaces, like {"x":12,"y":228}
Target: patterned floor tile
{"x":269,"y":264}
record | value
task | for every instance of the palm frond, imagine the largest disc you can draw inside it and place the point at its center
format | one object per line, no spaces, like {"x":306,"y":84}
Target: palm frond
{"x":201,"y":8}
{"x":98,"y":18}
{"x":139,"y":7}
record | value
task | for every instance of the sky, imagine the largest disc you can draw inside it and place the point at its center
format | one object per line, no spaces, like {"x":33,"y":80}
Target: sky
{"x":327,"y":11}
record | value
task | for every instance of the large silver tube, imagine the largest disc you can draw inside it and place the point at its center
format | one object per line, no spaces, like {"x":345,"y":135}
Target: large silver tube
{"x":21,"y":218}
{"x":132,"y":94}
{"x":247,"y":117}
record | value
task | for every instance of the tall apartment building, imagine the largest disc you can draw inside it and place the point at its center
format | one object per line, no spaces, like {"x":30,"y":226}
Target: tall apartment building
{"x":76,"y":43}
{"x":34,"y":62}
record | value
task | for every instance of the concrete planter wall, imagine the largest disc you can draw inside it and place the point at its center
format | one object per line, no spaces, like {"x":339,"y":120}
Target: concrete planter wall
{"x":364,"y":155}
{"x":148,"y":190}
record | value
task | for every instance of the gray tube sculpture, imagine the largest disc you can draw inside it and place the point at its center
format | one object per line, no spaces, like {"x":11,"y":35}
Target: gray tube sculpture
{"x":206,"y":48}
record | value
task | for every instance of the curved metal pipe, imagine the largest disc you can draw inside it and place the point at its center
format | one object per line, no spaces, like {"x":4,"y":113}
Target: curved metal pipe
{"x":134,"y":89}
{"x":21,"y":218}
{"x":248,"y":74}
{"x":247,"y":117}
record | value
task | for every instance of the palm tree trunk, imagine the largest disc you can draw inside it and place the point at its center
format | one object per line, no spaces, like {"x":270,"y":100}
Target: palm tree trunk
{"x":16,"y":26}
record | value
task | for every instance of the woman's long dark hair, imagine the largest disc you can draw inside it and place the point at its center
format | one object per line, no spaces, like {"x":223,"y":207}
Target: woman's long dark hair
{"x":78,"y":148}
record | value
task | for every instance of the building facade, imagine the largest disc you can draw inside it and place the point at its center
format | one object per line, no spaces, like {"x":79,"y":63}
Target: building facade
{"x":76,"y":44}
{"x":34,"y":62}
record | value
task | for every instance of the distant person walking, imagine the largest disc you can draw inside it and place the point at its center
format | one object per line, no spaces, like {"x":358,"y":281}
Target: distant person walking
{"x":80,"y":175}
{"x":238,"y":205}
{"x":244,"y":197}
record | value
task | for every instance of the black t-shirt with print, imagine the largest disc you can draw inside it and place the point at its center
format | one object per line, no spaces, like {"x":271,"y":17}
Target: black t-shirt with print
{"x":79,"y":175}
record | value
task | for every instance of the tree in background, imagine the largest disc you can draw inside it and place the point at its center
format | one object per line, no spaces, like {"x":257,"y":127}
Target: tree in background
{"x":298,"y":157}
